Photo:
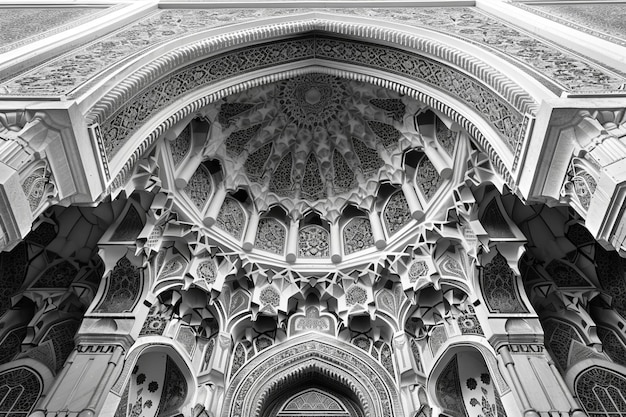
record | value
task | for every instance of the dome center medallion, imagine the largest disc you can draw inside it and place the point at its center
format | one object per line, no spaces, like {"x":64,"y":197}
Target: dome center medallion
{"x":313,"y":95}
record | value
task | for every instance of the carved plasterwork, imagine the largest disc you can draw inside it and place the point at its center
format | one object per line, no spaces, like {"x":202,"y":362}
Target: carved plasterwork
{"x":466,"y":91}
{"x":312,"y":321}
{"x":580,"y":184}
{"x":313,"y":142}
{"x":24,"y":25}
{"x":96,"y":57}
{"x":499,"y":285}
{"x":396,"y":213}
{"x":270,"y":236}
{"x":38,"y":185}
{"x":313,"y":242}
{"x":427,"y":178}
{"x":123,"y":288}
{"x":250,"y":387}
{"x":357,"y":235}
{"x":604,"y":21}
{"x":231,"y":218}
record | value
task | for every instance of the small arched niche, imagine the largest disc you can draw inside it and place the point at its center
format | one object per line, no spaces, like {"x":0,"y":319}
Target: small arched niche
{"x":465,"y":387}
{"x":157,"y":387}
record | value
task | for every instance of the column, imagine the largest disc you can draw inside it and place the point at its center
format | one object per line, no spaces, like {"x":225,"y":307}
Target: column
{"x":377,"y":229}
{"x":292,"y":240}
{"x":105,"y":335}
{"x":214,"y":206}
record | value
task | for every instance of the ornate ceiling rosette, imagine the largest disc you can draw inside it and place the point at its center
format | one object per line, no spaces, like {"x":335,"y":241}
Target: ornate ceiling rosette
{"x":314,"y":141}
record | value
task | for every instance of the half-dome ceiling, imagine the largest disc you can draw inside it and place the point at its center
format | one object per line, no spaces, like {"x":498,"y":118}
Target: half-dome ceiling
{"x":317,"y":166}
{"x":315,"y":139}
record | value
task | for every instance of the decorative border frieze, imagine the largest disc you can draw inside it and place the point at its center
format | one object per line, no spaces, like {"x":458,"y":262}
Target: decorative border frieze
{"x":514,"y":94}
{"x":572,"y":24}
{"x":198,"y":104}
{"x":240,"y":398}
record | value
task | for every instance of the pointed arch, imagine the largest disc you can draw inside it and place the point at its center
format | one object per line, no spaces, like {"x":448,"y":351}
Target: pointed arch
{"x":311,"y":353}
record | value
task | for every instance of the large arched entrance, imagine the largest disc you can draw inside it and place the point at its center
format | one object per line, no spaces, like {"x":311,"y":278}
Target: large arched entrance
{"x":312,"y":374}
{"x":314,"y":212}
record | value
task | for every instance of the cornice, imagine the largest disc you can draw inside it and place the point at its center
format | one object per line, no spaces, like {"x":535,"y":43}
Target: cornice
{"x":516,"y":95}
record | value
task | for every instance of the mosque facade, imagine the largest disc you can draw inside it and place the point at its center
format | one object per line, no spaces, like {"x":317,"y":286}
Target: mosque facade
{"x":299,"y":208}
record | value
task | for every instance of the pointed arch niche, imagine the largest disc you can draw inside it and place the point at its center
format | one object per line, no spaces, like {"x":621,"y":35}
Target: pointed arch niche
{"x":312,"y":372}
{"x":155,"y":381}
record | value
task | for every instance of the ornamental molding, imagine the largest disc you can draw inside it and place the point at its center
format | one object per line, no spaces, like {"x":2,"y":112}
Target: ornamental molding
{"x":494,"y":153}
{"x":511,"y":94}
{"x":516,"y":95}
{"x":253,"y":383}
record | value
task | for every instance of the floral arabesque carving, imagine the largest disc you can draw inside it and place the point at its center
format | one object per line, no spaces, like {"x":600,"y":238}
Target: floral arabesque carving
{"x":181,"y":145}
{"x":38,"y":185}
{"x":357,"y":235}
{"x":269,"y":296}
{"x":356,"y":295}
{"x":386,"y":133}
{"x":270,"y":236}
{"x":386,"y":358}
{"x":237,"y":140}
{"x":312,"y":100}
{"x":396,"y":213}
{"x":445,"y":136}
{"x":231,"y":218}
{"x":187,"y":338}
{"x":312,"y":187}
{"x":206,"y":270}
{"x":120,"y":126}
{"x":229,"y":110}
{"x":394,"y":107}
{"x":199,"y":187}
{"x":448,"y":389}
{"x":123,"y":289}
{"x":249,"y":385}
{"x":580,"y":183}
{"x":313,"y":242}
{"x":370,"y":161}
{"x":417,"y":270}
{"x":175,"y":389}
{"x":468,"y":322}
{"x":427,"y":178}
{"x":239,"y":358}
{"x":344,"y":178}
{"x":281,"y":181}
{"x":255,"y":163}
{"x":499,"y":287}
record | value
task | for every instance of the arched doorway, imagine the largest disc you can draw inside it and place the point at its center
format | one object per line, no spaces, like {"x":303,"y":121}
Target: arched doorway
{"x":291,"y":172}
{"x":312,"y":371}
